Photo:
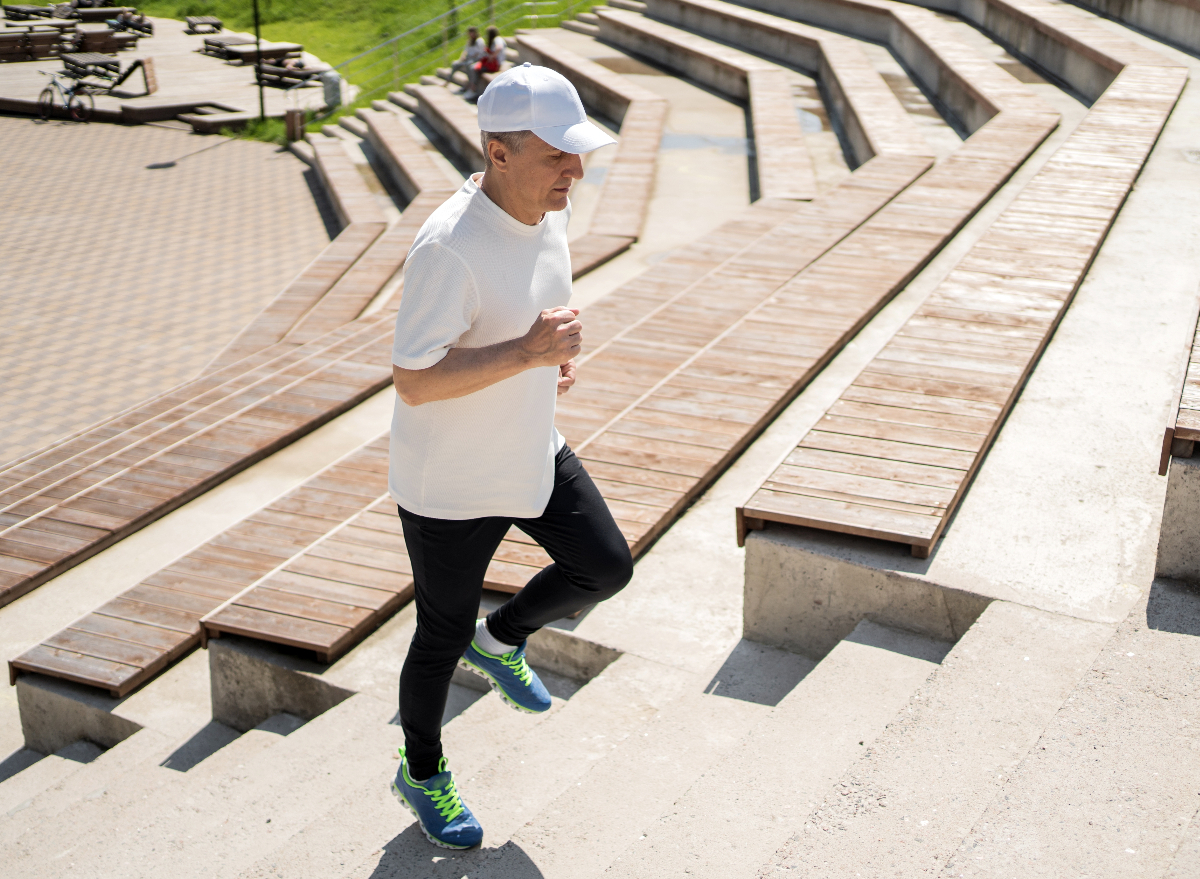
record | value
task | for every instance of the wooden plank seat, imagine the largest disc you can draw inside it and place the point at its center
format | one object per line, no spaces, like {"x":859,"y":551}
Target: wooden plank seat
{"x":136,"y":635}
{"x":25,"y":12}
{"x":60,"y":509}
{"x":424,"y":184}
{"x":784,"y":165}
{"x":454,"y":120}
{"x":352,"y":201}
{"x":321,"y":599}
{"x":280,"y":315}
{"x":892,"y":458}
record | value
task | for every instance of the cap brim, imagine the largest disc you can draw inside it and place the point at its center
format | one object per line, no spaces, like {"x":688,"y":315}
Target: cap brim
{"x":582,"y":137}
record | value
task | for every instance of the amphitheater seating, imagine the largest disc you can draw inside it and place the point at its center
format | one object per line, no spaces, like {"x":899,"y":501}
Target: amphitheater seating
{"x":298,"y":298}
{"x":426,"y":187}
{"x":656,"y":423}
{"x":352,"y":200}
{"x":784,"y":165}
{"x":892,"y":458}
{"x":453,"y":119}
{"x":131,"y":638}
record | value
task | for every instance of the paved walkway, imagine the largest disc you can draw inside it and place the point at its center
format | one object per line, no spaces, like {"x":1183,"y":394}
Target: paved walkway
{"x":121,"y":280}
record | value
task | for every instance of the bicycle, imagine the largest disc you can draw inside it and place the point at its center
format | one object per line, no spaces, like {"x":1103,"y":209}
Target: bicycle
{"x":75,"y":97}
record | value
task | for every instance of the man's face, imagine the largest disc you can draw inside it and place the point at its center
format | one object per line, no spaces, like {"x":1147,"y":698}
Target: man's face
{"x":472,"y":35}
{"x":544,"y":175}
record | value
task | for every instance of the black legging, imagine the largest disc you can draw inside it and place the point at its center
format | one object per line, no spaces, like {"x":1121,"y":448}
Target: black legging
{"x":449,"y":558}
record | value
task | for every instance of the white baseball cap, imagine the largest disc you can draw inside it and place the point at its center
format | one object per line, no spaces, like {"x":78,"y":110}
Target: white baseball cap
{"x":541,"y":100}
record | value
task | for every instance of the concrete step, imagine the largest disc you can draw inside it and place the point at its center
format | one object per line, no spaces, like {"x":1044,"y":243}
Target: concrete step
{"x":631,"y":5}
{"x":908,"y":802}
{"x":455,"y":77}
{"x":1110,"y":788}
{"x":354,"y":125}
{"x":302,"y":150}
{"x":588,"y":18}
{"x":131,"y":826}
{"x":426,"y":79}
{"x":45,"y":773}
{"x":580,"y":27}
{"x":580,"y":832}
{"x":351,"y":828}
{"x":400,"y":99}
{"x":749,"y":801}
{"x":88,"y":781}
{"x":507,"y":767}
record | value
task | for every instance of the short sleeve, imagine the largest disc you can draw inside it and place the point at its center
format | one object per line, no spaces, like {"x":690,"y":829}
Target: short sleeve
{"x":437,"y":306}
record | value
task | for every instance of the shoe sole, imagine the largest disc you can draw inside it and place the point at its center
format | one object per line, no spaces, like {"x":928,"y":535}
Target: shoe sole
{"x":467,"y":666}
{"x":399,"y":795}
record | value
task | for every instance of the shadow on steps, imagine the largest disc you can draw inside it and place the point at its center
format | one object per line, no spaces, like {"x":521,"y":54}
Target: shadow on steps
{"x":1173,"y":607}
{"x":410,"y":854}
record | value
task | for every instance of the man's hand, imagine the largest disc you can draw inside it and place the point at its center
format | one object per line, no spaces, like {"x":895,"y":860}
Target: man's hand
{"x":566,"y":376}
{"x":555,"y":337}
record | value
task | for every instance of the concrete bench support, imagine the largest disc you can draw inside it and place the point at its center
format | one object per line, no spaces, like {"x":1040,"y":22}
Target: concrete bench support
{"x":1179,"y":539}
{"x":805,"y":591}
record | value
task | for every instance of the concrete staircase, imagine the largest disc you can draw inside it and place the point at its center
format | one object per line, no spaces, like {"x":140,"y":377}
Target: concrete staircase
{"x":634,"y":767}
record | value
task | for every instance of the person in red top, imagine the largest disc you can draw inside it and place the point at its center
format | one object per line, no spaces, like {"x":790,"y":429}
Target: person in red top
{"x":491,"y":62}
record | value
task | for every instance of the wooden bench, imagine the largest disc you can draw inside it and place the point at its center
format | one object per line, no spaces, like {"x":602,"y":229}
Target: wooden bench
{"x":203,"y":24}
{"x":280,"y":315}
{"x":352,"y":201}
{"x":248,"y":53}
{"x":784,"y":165}
{"x":61,"y":508}
{"x":454,"y":120}
{"x":424,"y":184}
{"x":133,"y":637}
{"x":892,"y":458}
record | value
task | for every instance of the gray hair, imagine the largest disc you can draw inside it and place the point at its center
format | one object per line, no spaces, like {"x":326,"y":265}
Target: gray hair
{"x":513,"y":141}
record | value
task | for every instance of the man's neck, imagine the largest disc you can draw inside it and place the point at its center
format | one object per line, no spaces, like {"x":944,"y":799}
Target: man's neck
{"x":494,"y":188}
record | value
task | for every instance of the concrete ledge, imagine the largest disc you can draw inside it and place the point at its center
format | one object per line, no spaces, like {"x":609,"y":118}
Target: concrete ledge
{"x":252,"y":680}
{"x":1179,"y":537}
{"x":806,"y":590}
{"x":57,"y":713}
{"x":569,"y":655}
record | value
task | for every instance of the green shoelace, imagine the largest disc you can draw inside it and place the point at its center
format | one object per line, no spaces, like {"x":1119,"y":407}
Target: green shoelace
{"x":517,"y":665}
{"x":446,"y":801}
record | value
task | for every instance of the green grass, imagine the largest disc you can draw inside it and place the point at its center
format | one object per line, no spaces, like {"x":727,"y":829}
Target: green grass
{"x":266,"y":130}
{"x":339,"y":30}
{"x":333,"y":30}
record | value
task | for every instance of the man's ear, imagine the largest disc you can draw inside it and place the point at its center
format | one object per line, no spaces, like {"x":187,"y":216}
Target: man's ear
{"x":498,"y":153}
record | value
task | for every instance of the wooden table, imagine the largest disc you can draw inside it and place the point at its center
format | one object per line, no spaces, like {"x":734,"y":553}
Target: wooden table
{"x":82,"y":64}
{"x":210,"y":24}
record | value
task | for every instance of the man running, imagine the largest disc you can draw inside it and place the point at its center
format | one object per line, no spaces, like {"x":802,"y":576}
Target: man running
{"x":484,"y":342}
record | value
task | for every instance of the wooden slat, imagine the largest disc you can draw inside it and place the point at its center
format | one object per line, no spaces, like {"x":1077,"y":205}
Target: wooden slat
{"x":930,"y":400}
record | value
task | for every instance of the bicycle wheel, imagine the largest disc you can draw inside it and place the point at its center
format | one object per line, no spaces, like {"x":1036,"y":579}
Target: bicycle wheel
{"x":46,"y":103}
{"x":82,"y":105}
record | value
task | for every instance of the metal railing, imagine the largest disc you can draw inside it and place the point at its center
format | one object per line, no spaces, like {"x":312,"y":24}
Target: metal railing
{"x":439,"y":41}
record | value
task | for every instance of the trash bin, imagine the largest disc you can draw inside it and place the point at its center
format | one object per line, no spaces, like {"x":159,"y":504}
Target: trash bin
{"x":332,"y":81}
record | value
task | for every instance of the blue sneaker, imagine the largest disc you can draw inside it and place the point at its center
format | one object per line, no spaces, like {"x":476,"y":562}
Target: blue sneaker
{"x":437,"y":807}
{"x":510,"y":676}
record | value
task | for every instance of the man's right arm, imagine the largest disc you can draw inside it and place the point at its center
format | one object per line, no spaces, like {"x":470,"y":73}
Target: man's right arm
{"x":554,"y":339}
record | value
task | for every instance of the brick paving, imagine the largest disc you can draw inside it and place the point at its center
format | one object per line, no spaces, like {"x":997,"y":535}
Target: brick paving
{"x":118,"y":281}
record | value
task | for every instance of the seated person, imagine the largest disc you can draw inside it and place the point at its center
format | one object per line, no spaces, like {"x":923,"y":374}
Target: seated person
{"x":493,"y":58}
{"x":472,"y":54}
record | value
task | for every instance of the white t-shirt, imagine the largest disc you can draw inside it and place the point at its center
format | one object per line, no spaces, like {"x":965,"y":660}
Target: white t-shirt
{"x":476,"y":50}
{"x":476,"y":276}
